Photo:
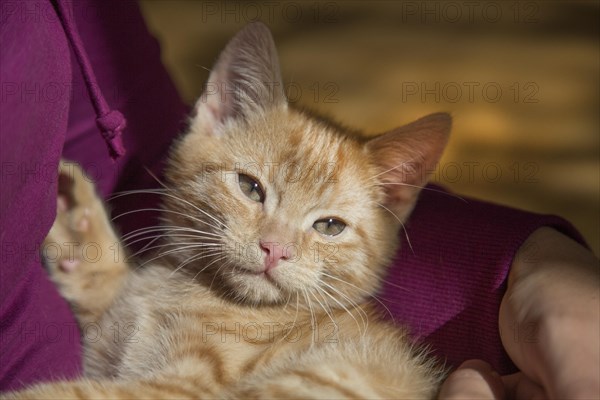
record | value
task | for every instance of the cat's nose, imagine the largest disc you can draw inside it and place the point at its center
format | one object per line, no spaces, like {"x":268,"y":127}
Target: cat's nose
{"x":274,"y":252}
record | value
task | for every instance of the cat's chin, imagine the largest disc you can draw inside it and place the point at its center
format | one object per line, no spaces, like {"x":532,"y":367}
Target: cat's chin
{"x":255,"y":288}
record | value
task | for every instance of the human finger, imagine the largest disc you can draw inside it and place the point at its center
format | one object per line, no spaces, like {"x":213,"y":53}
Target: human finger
{"x":474,"y":379}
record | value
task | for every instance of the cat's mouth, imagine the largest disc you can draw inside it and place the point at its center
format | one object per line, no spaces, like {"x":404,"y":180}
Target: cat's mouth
{"x":252,"y":274}
{"x":245,"y":271}
{"x":255,"y":286}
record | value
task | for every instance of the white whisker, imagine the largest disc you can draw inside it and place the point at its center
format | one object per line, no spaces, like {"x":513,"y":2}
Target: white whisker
{"x":169,"y":252}
{"x":402,"y":224}
{"x":170,"y":234}
{"x":362,"y":290}
{"x":160,"y":228}
{"x":312,"y":317}
{"x":193,"y":258}
{"x":163,"y":193}
{"x":326,"y":309}
{"x":165,"y":210}
{"x":365,"y":325}
{"x":409,"y":161}
{"x":186,"y":245}
{"x":295,"y":318}
{"x":422,"y":188}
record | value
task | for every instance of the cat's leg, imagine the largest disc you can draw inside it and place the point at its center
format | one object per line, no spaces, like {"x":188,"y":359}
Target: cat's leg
{"x":156,"y":388}
{"x":82,"y":252}
{"x":370,"y":368}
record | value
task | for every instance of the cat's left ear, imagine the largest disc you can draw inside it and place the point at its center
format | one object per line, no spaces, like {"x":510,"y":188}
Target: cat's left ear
{"x":406,"y":157}
{"x":245,"y":80}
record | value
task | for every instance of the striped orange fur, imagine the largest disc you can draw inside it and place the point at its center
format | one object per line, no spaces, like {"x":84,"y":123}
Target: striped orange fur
{"x":198,"y":315}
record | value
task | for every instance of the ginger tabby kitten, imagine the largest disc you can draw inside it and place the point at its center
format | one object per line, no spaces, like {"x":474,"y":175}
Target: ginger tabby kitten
{"x":277,"y":229}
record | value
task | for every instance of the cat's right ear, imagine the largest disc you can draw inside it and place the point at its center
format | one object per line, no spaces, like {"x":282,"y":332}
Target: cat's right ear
{"x":246,"y":79}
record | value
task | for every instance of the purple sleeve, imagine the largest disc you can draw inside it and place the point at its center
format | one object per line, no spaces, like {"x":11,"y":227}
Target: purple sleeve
{"x":447,"y":284}
{"x":45,"y":111}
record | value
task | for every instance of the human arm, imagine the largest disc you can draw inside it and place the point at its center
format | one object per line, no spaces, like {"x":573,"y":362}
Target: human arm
{"x":553,"y":292}
{"x":549,"y":321}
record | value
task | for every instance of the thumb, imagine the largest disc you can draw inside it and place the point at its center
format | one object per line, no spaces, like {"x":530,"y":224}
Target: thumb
{"x":474,"y":379}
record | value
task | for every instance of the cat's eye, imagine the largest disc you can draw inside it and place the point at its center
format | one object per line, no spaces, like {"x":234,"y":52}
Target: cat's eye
{"x":329,"y":226}
{"x":251,"y":188}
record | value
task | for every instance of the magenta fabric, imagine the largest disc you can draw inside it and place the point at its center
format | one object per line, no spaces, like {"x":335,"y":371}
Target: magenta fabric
{"x":451,"y":282}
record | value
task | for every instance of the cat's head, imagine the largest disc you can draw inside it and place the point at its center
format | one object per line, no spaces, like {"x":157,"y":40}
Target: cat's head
{"x":279,"y":205}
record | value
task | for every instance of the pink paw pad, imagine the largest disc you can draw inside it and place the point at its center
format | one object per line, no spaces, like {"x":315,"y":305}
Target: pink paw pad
{"x":68,"y":265}
{"x":61,"y":204}
{"x":83,"y":224}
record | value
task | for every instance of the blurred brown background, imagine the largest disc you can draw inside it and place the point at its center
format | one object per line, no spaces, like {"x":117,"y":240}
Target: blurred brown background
{"x":520,"y":78}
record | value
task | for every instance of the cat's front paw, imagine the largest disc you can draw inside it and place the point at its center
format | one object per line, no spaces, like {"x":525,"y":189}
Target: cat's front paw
{"x":81,"y":231}
{"x":71,"y":232}
{"x":82,"y":252}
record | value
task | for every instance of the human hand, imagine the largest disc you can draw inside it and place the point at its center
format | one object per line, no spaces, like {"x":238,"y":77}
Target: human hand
{"x":553,"y":294}
{"x":476,"y":380}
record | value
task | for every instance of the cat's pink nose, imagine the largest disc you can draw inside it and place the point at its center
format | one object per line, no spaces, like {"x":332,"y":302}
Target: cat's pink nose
{"x":273,"y":253}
